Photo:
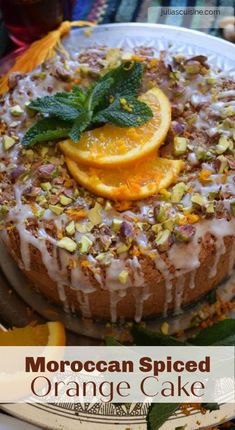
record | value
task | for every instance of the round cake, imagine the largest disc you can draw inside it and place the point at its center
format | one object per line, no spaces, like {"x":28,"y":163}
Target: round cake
{"x":123,"y":260}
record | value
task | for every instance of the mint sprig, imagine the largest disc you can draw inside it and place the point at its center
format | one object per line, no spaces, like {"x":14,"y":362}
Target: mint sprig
{"x":221,"y":333}
{"x":112,"y":99}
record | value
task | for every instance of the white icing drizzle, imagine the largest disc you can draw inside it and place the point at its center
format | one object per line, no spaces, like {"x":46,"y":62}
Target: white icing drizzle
{"x":220,"y":249}
{"x":231,"y":259}
{"x":164,"y":270}
{"x":115,"y":297}
{"x":192,"y":279}
{"x":83,"y":300}
{"x":179,"y":290}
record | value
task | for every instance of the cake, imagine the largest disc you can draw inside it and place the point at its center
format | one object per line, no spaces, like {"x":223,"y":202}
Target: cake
{"x":139,"y":259}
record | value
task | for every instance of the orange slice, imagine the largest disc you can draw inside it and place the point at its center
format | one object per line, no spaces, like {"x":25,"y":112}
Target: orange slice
{"x":49,"y":334}
{"x":110,"y":145}
{"x":143,"y":179}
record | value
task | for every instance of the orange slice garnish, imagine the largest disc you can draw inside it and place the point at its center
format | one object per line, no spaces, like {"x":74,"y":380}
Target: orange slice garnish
{"x":143,"y":179}
{"x":49,"y":334}
{"x":110,"y":145}
{"x":46,"y":335}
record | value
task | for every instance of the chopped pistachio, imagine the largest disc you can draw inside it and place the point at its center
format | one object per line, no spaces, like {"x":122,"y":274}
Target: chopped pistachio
{"x":165,"y":328}
{"x":211,"y":80}
{"x":223,"y":145}
{"x":229,"y":111}
{"x":70,"y":229}
{"x":168,"y":224}
{"x":44,"y":150}
{"x":162,"y":237}
{"x":180,"y":145}
{"x":39,"y":75}
{"x":75,"y":193}
{"x":178,"y":192}
{"x":101,"y":256}
{"x":65,"y":200}
{"x":94,"y":214}
{"x":4,"y":209}
{"x":116,"y":224}
{"x":140,"y":225}
{"x":199,"y":199}
{"x":29,"y":153}
{"x":123,"y":276}
{"x":58,"y":210}
{"x":156,"y":228}
{"x":41,"y":200}
{"x":84,"y":227}
{"x":202,"y":154}
{"x":16,"y":110}
{"x":8,"y":142}
{"x":67,"y":243}
{"x":184,"y":233}
{"x":108,"y":206}
{"x":40,"y":213}
{"x":160,"y":213}
{"x":122,"y":248}
{"x":165,"y":195}
{"x":223,"y":163}
{"x":46,"y":186}
{"x":14,"y":124}
{"x":210,"y":208}
{"x":84,"y":244}
{"x":232,"y":207}
{"x":192,"y":67}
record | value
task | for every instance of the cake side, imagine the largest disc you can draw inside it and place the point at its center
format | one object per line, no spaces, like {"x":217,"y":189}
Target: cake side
{"x":132,"y":259}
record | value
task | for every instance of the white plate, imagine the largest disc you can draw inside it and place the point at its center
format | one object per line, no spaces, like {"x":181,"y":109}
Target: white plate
{"x":110,"y":417}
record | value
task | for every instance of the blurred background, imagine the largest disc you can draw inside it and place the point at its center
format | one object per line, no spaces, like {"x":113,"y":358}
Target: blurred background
{"x":22,"y":21}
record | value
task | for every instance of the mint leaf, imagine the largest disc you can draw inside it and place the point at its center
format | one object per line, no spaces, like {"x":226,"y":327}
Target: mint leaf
{"x":78,"y":93}
{"x":99,"y":93}
{"x":125,"y":112}
{"x":79,"y":125}
{"x":211,"y":406}
{"x":159,"y":413}
{"x":81,"y":110}
{"x":55,"y":107}
{"x":222,"y":333}
{"x":46,"y":129}
{"x":145,"y":337}
{"x":111,"y":341}
{"x":75,"y":98}
{"x":127,"y":78}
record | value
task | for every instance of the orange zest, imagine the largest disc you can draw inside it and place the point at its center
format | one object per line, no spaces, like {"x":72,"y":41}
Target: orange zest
{"x":114,"y":146}
{"x":144,"y":179}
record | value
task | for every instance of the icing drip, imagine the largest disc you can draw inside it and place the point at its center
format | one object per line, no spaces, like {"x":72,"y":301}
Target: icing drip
{"x":231,"y":259}
{"x":192,"y":279}
{"x":115,"y":298}
{"x":219,"y":251}
{"x":164,"y":270}
{"x":179,"y":290}
{"x":83,"y":300}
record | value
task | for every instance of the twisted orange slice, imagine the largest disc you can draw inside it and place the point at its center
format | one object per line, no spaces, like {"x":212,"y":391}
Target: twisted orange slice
{"x":110,"y":145}
{"x":143,"y":179}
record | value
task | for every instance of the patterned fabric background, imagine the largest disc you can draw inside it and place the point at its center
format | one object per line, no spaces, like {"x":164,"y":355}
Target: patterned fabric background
{"x":104,"y":11}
